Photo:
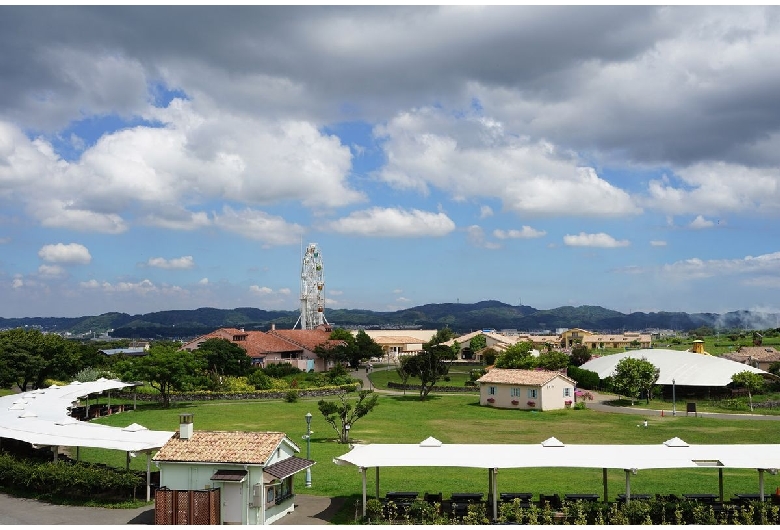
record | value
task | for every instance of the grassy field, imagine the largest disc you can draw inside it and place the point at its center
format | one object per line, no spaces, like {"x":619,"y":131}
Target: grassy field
{"x":458,"y":375}
{"x":459,"y":419}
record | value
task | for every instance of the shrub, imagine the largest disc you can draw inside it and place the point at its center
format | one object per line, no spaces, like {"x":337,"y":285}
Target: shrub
{"x":260,"y":380}
{"x":291,"y":396}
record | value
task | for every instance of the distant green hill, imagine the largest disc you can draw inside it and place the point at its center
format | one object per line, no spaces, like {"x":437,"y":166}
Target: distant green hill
{"x":461,"y":318}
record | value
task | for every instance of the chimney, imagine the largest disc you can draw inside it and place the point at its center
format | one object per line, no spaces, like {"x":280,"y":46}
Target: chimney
{"x":185,"y":426}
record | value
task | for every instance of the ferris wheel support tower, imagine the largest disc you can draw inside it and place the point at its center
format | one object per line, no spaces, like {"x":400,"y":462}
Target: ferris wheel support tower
{"x":312,"y":289}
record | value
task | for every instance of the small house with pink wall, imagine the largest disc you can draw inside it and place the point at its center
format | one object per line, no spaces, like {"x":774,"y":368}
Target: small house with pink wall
{"x":526,"y":389}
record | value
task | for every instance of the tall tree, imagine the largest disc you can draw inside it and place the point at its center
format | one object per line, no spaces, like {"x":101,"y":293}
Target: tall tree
{"x":220,"y":356}
{"x":166,"y":368}
{"x":517,"y":356}
{"x":341,"y":413}
{"x":580,"y":354}
{"x":429,"y":365}
{"x":477,"y":343}
{"x":353,"y":349}
{"x":553,"y":360}
{"x":632,"y":376}
{"x":750,"y":381}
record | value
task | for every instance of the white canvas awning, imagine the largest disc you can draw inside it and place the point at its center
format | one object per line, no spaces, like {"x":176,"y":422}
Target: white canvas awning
{"x":552,"y":453}
{"x":41,"y":417}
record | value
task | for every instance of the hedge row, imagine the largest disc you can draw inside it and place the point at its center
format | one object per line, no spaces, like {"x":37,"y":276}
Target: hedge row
{"x":207,"y":395}
{"x":653,"y":512}
{"x":436,"y":388}
{"x":64,"y":478}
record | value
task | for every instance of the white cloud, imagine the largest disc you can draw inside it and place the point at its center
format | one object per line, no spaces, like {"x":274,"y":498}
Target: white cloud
{"x":393,"y":222}
{"x":594,"y":240}
{"x":485,"y":211}
{"x":526,"y":232}
{"x":184,"y":262}
{"x":716,"y":188}
{"x":657,"y":243}
{"x":335,"y":292}
{"x":285,"y":291}
{"x":260,"y":226}
{"x":203,"y":281}
{"x":476,"y":237}
{"x":256,"y":289}
{"x":700,"y":222}
{"x":765,"y":264}
{"x":72,"y":253}
{"x":51,"y":271}
{"x":17,"y":283}
{"x":432,"y":148}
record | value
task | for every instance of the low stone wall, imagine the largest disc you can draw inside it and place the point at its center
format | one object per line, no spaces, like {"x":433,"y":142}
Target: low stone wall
{"x":436,"y":388}
{"x":224,"y":396}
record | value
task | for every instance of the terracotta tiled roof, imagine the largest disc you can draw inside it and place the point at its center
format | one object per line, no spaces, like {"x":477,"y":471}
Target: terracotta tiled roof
{"x":259,"y":344}
{"x":757,"y":353}
{"x":628,"y":337}
{"x":306,"y":338}
{"x":221,"y":447}
{"x":520,"y":377}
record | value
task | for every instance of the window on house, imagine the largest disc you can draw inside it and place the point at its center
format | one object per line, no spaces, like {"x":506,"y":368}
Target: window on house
{"x":514,"y":392}
{"x":492,"y":390}
{"x":532,"y":393}
{"x":567,"y":392}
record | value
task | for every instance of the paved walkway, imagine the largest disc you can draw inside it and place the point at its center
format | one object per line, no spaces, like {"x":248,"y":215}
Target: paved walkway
{"x":309,"y":510}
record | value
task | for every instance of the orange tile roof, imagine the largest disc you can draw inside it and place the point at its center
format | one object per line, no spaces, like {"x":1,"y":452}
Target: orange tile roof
{"x":757,"y":353}
{"x":307,"y":338}
{"x":221,"y":447}
{"x":520,"y":377}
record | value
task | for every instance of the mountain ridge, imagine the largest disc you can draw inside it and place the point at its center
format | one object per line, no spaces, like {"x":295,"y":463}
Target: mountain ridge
{"x":459,"y":317}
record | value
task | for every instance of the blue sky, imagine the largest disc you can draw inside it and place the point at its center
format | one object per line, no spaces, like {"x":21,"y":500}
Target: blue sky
{"x":156,"y":158}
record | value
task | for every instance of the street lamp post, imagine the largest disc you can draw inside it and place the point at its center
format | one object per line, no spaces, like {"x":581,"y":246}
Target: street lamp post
{"x":674,"y":400}
{"x":308,"y":448}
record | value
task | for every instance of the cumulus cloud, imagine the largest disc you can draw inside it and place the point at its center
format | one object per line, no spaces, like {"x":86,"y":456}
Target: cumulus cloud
{"x":762,"y":265}
{"x":485,"y":211}
{"x":256,"y":289}
{"x":431,"y":147}
{"x":203,"y":281}
{"x":254,"y":224}
{"x":526,"y":232}
{"x":184,"y":262}
{"x":701,"y":222}
{"x":657,"y":243}
{"x":72,"y":254}
{"x":476,"y":237}
{"x":601,"y":240}
{"x":393,"y":222}
{"x":51,"y":271}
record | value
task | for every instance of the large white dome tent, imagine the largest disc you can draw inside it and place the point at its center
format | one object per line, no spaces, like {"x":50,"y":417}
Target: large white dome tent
{"x":683,"y":367}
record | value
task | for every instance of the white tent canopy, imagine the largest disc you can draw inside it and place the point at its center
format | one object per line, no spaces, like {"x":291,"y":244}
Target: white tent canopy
{"x":552,"y":453}
{"x":683,"y":367}
{"x":41,"y":417}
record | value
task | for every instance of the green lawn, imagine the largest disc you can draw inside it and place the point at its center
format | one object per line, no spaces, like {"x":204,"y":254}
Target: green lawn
{"x":458,"y":375}
{"x":459,"y":419}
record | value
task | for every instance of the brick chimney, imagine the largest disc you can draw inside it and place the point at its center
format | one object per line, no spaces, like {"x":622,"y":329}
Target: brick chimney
{"x":185,"y":426}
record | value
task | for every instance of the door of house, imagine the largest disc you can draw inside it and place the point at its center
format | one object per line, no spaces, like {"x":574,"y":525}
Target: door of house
{"x":309,"y":365}
{"x":232,"y":502}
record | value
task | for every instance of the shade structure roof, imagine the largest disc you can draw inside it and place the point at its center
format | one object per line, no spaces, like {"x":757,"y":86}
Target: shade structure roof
{"x":552,"y":453}
{"x":41,"y":417}
{"x":682,"y":367}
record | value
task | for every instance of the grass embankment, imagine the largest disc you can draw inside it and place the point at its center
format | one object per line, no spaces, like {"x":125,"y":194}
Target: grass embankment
{"x":459,"y":419}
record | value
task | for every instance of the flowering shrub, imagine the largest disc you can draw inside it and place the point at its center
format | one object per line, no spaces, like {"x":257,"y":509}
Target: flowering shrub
{"x":515,"y":402}
{"x":532,"y":403}
{"x":491,"y":400}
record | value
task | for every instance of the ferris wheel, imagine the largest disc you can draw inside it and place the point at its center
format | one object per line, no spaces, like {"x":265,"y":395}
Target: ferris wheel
{"x":312,"y":289}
